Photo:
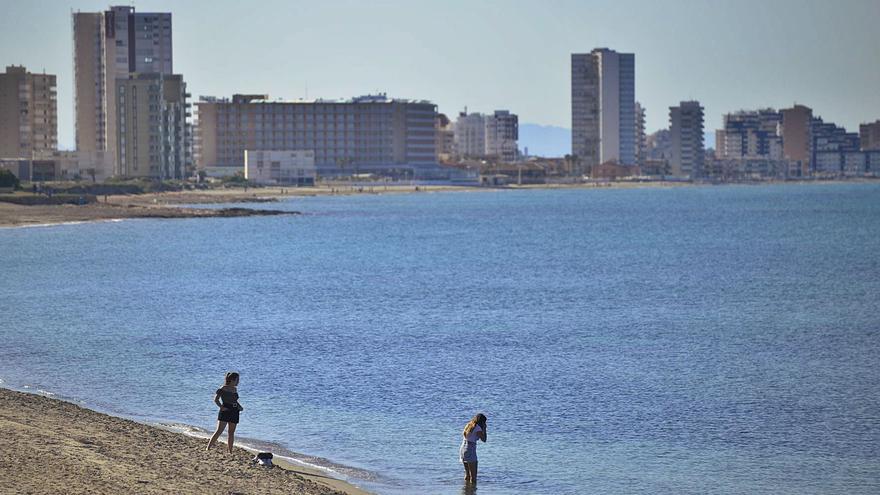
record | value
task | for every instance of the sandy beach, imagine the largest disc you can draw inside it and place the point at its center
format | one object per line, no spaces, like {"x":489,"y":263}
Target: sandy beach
{"x":52,"y":446}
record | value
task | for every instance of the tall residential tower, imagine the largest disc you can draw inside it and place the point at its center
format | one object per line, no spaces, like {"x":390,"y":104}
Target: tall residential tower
{"x":686,"y":135}
{"x":108,"y":46}
{"x":603,"y":107}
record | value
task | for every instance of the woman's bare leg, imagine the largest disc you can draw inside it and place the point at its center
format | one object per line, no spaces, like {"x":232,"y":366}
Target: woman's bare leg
{"x":230,"y":437}
{"x":472,"y":472}
{"x":467,"y":472}
{"x":221,"y":425}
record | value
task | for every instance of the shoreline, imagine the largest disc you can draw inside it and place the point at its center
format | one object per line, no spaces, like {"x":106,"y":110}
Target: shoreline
{"x":54,"y":445}
{"x":173,"y":205}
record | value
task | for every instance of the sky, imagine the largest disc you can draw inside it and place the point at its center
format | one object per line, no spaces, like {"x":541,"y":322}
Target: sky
{"x":489,"y":55}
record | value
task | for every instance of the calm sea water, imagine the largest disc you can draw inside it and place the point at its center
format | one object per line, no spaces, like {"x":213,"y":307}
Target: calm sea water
{"x":696,"y":340}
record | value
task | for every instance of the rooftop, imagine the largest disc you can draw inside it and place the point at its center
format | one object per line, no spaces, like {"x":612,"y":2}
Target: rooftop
{"x":264,"y":98}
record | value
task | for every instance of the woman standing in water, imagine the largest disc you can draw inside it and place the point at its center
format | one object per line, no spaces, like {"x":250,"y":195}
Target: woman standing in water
{"x":473,"y":431}
{"x":226,"y":399}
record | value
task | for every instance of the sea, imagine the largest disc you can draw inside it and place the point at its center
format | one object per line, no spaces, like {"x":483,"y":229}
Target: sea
{"x":687,"y":340}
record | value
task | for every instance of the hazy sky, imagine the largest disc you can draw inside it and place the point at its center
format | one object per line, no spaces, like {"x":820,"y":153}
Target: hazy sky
{"x":497,"y":54}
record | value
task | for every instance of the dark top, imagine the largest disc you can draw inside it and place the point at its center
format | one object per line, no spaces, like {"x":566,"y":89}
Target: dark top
{"x":228,"y":399}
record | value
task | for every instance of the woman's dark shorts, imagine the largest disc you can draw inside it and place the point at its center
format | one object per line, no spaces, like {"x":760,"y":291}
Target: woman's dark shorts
{"x":228,"y":415}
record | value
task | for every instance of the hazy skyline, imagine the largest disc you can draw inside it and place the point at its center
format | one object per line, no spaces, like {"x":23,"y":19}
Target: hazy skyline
{"x":496,"y":55}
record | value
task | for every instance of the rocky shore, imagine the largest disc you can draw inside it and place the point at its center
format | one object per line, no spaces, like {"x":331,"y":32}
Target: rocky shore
{"x":15,"y":215}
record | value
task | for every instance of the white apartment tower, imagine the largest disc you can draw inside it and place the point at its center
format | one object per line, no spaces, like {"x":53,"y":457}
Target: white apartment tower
{"x":686,"y":139}
{"x":469,"y":138}
{"x":476,"y":135}
{"x":603,"y":107}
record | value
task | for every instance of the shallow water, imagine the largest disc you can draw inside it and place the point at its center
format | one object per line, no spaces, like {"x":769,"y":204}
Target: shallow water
{"x":688,"y":340}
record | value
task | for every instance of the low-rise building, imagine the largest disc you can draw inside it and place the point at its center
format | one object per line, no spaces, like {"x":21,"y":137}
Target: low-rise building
{"x":749,"y":169}
{"x":88,"y":165}
{"x":32,"y":170}
{"x":281,"y":167}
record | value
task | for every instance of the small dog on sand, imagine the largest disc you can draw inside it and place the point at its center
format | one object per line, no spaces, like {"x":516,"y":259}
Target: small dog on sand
{"x":263,"y":459}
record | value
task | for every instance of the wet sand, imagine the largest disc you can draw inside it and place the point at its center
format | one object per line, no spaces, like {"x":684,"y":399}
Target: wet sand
{"x":52,"y":446}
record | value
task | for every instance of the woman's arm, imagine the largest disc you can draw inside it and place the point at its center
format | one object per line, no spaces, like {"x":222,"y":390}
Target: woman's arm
{"x":217,"y":400}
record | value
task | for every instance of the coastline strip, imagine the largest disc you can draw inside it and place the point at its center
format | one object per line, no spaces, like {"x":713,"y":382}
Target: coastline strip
{"x":53,"y":446}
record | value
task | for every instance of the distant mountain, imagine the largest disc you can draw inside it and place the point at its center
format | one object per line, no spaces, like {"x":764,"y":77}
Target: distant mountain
{"x":545,"y":140}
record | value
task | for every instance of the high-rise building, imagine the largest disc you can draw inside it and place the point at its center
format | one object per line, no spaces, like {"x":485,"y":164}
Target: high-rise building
{"x":470,"y":135}
{"x":603,"y":112}
{"x":152,"y":139}
{"x":487,"y":136}
{"x":641,"y":138}
{"x":502,"y":132}
{"x":795,"y":132}
{"x":28,"y":113}
{"x":108,"y":46}
{"x":364,"y":134}
{"x":687,"y":153}
{"x":869,"y":136}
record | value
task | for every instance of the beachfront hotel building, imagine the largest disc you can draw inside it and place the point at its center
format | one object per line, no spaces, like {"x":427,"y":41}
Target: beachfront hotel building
{"x":367,"y":134}
{"x":603,"y":107}
{"x":109,"y":46}
{"x":152,"y":139}
{"x":687,"y":154}
{"x":28,"y":113}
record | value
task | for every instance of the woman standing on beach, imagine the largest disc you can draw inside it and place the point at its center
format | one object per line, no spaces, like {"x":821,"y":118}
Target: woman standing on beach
{"x":226,"y":399}
{"x":473,"y":431}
